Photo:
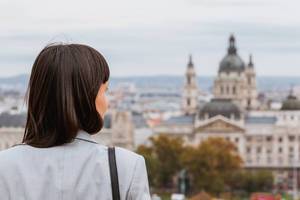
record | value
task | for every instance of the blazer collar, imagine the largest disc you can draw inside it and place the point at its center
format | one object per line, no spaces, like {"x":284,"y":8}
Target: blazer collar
{"x":81,"y":134}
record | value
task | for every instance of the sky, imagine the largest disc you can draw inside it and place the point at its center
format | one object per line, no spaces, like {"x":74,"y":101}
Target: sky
{"x":155,"y":37}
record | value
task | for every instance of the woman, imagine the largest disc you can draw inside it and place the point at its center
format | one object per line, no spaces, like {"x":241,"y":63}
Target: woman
{"x":58,"y":159}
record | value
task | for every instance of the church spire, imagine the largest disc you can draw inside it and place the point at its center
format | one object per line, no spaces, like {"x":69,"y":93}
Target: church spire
{"x":231,"y":48}
{"x":190,"y":64}
{"x":250,"y":64}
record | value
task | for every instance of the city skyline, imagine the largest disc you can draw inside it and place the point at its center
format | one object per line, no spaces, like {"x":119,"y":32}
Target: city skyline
{"x":155,"y":38}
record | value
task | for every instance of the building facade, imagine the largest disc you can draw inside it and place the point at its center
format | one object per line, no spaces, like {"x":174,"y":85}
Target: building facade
{"x":235,"y":79}
{"x":265,"y":139}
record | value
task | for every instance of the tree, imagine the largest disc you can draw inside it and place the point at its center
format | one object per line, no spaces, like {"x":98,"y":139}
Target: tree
{"x":247,"y":182}
{"x":151,"y":163}
{"x":163,"y":159}
{"x":168,"y":151}
{"x":259,"y":181}
{"x":211,"y":164}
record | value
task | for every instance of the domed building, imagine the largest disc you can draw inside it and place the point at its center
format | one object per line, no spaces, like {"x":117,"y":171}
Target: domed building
{"x":224,"y":107}
{"x":265,"y":139}
{"x":232,"y":62}
{"x":291,"y":102}
{"x":236,"y":80}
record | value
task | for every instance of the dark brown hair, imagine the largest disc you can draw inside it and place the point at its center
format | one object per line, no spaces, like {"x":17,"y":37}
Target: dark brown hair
{"x":62,"y":90}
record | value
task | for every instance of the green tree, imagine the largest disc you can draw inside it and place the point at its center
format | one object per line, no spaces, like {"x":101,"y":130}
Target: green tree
{"x":162,"y":159}
{"x":252,"y":181}
{"x":259,"y":181}
{"x":212,"y":164}
{"x":168,"y":152}
{"x":151,"y":163}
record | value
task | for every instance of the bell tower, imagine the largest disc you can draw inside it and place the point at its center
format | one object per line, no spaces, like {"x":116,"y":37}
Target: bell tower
{"x":190,"y":89}
{"x":251,"y":85}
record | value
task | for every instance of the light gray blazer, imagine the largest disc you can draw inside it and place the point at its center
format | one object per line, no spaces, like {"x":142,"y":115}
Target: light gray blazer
{"x":75,"y":171}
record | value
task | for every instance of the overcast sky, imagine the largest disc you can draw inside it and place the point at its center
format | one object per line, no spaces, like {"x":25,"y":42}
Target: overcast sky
{"x":155,"y":37}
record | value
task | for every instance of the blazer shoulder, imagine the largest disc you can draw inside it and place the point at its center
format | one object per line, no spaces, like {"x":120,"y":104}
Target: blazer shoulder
{"x":127,"y":155}
{"x":127,"y":162}
{"x":10,"y":156}
{"x":11,"y":152}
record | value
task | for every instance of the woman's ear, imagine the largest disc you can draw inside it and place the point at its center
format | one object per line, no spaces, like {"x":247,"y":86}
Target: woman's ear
{"x":101,"y":101}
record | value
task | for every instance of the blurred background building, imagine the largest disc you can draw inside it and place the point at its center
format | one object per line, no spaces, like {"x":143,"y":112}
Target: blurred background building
{"x":266,"y":136}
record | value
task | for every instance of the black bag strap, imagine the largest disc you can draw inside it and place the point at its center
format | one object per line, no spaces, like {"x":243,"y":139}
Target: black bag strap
{"x":113,"y":173}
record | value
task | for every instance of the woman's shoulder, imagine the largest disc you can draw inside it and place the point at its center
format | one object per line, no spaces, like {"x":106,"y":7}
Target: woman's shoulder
{"x":129,"y":163}
{"x":126,"y":158}
{"x":135,"y":172}
{"x":126,"y":154}
{"x":12,"y":151}
{"x":122,"y":154}
{"x":10,"y":155}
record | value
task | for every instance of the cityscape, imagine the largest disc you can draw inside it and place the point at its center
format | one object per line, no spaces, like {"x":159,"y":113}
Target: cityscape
{"x":257,"y":116}
{"x":202,"y":97}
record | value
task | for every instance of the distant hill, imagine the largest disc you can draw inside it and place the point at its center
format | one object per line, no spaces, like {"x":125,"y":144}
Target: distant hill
{"x":265,"y":83}
{"x":22,"y":78}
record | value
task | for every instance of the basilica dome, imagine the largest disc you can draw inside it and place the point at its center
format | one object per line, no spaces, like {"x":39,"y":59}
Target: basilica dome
{"x":232,"y":61}
{"x":291,"y":103}
{"x":224,"y":107}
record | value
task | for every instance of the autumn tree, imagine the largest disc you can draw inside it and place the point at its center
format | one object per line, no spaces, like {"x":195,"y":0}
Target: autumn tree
{"x":163,"y":159}
{"x":168,"y":151}
{"x":211,"y":164}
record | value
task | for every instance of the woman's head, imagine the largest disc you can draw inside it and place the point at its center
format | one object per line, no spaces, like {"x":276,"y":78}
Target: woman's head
{"x":65,"y":93}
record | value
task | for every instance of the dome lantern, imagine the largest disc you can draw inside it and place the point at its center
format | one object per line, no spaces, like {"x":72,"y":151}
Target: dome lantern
{"x":232,"y":61}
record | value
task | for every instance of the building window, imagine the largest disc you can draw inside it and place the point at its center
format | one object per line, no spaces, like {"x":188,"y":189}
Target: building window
{"x":292,"y":138}
{"x":248,"y":149}
{"x":233,"y":90}
{"x":249,"y":139}
{"x":248,"y":102}
{"x":279,"y":150}
{"x":258,"y":150}
{"x":237,"y":140}
{"x":280,"y":139}
{"x":222,"y":89}
{"x":188,"y":102}
{"x":269,"y":138}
